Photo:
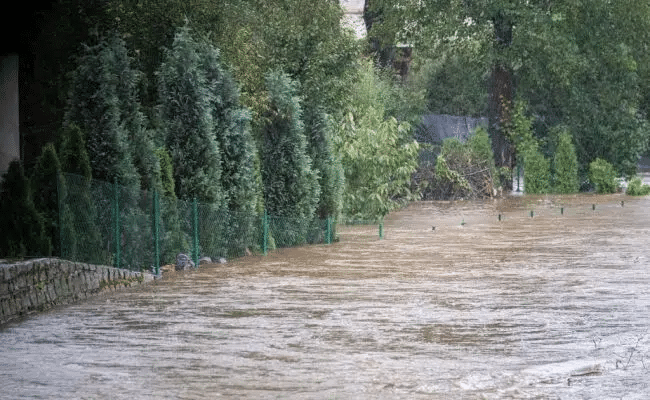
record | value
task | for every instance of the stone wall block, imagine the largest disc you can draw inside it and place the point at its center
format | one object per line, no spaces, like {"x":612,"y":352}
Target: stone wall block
{"x":10,"y":273}
{"x":25,"y":303}
{"x":19,"y":282}
{"x":38,"y":284}
{"x":36,"y":299}
{"x":4,"y":309}
{"x":65,"y":286}
{"x":50,"y":295}
{"x":22,"y":269}
{"x":84,"y":280}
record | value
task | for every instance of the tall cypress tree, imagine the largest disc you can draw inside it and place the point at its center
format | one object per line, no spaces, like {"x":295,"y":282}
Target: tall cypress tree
{"x":23,"y":226}
{"x":290,"y":184}
{"x":565,"y":163}
{"x":174,"y":239}
{"x":325,"y":162}
{"x":44,"y":181}
{"x":186,"y":97}
{"x":73,"y":154}
{"x":141,"y":139}
{"x":232,"y":129}
{"x":97,"y":104}
{"x":80,"y":235}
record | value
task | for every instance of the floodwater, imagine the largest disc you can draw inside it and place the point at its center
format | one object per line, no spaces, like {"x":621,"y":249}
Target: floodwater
{"x":556,"y":306}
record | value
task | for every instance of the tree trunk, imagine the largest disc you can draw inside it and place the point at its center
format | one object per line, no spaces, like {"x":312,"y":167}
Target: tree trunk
{"x":501,"y":96}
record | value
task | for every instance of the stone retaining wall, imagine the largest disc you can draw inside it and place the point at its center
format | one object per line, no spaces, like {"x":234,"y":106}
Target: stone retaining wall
{"x":37,"y":285}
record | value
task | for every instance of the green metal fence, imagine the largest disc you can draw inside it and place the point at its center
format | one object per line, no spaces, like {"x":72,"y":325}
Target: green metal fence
{"x":106,"y":223}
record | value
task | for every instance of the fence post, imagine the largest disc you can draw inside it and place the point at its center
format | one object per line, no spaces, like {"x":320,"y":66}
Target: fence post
{"x":116,"y":223}
{"x":381,"y":229}
{"x":59,"y":198}
{"x":156,"y":232}
{"x":265,"y":233}
{"x":328,"y":231}
{"x":195,"y":219}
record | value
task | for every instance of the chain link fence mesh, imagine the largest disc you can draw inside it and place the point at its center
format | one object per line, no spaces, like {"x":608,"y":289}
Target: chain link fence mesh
{"x":106,"y":223}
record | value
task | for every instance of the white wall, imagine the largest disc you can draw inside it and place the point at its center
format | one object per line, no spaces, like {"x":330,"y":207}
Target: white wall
{"x":354,"y":16}
{"x":9,"y":136}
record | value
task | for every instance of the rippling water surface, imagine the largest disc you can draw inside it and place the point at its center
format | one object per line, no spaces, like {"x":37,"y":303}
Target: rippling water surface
{"x":556,"y":306}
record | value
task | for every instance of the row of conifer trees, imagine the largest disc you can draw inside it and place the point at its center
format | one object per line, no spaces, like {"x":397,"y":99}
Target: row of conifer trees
{"x":197,"y":144}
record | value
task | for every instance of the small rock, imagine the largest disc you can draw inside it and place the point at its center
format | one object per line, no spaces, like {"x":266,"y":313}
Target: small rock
{"x":205,"y":260}
{"x":221,"y":260}
{"x":183,"y":262}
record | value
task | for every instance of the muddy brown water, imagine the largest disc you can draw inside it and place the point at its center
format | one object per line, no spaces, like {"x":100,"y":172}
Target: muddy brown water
{"x":556,"y":306}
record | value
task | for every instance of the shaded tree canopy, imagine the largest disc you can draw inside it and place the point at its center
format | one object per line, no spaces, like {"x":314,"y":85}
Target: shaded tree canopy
{"x":580,"y":64}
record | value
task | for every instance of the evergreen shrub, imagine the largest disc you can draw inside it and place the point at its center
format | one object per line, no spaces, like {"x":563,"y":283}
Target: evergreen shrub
{"x":43,"y":184}
{"x":23,"y":227}
{"x":566,"y":165}
{"x":326,"y":163}
{"x":537,"y":172}
{"x":100,"y":103}
{"x":290,"y":184}
{"x":603,"y":175}
{"x":186,"y":103}
{"x":80,"y":215}
{"x":636,"y":187}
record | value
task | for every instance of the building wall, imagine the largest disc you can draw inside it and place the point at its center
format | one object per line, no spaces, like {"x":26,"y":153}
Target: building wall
{"x":9,"y":136}
{"x":353,"y":17}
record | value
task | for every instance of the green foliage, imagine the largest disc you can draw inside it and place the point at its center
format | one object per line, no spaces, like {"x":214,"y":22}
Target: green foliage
{"x":480,"y":147}
{"x":566,"y":165}
{"x":537,"y":169}
{"x":43,"y":183}
{"x":636,"y":187}
{"x":74,"y":156}
{"x":520,"y":129}
{"x":23,"y":226}
{"x":311,"y":47}
{"x":459,"y":186}
{"x":505,"y":177}
{"x":377,"y":152}
{"x":78,"y":209}
{"x":290,"y":184}
{"x":174,"y":233}
{"x":580,"y":64}
{"x":101,"y":102}
{"x":135,"y":228}
{"x":74,"y":160}
{"x":603,"y":175}
{"x":326,"y":163}
{"x":232,"y":129}
{"x":462,"y":170}
{"x":537,"y":172}
{"x":186,"y":97}
{"x":402,"y":98}
{"x":455,"y":80}
{"x":80,"y":233}
{"x":172,"y":237}
{"x":166,"y":172}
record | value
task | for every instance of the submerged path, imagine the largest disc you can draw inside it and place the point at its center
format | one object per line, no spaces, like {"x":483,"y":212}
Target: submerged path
{"x":553,"y":306}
